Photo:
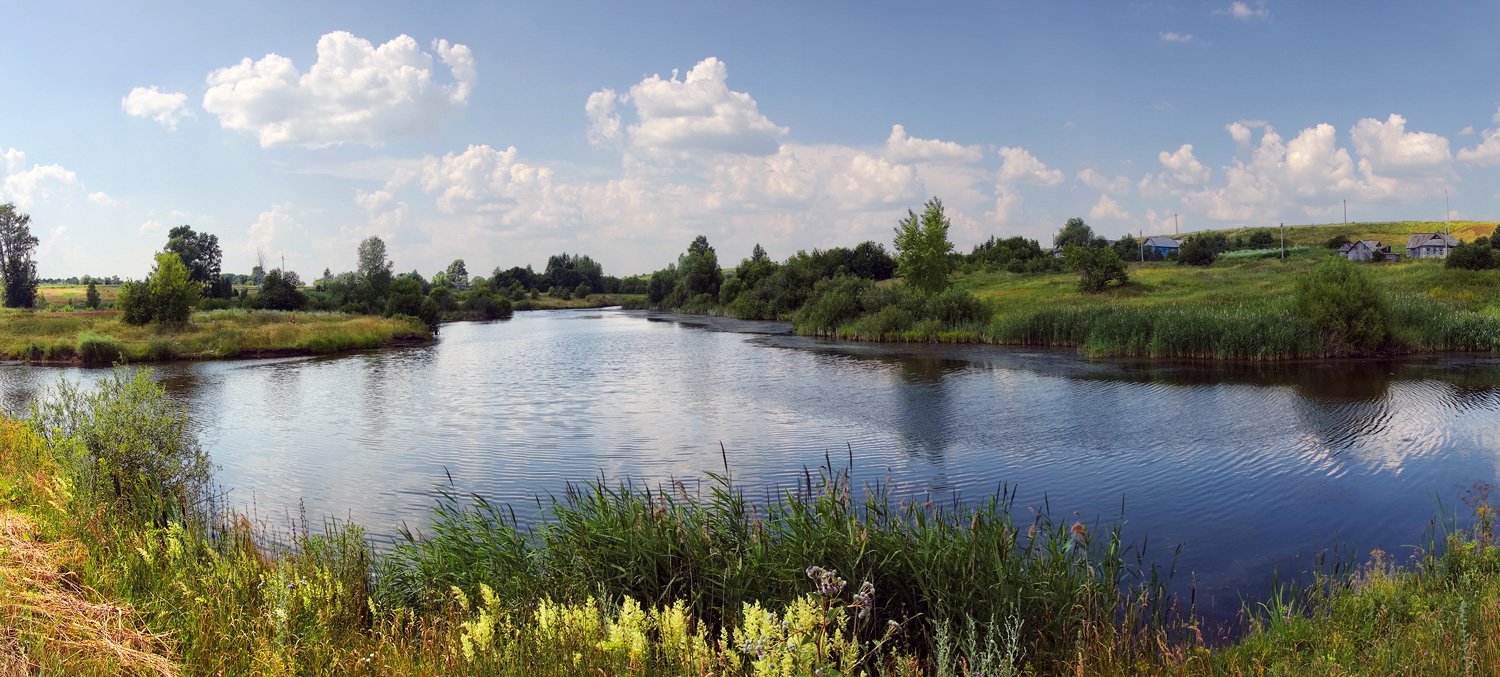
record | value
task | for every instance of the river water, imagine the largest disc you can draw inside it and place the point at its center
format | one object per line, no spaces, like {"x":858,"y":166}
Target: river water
{"x":1249,"y":467}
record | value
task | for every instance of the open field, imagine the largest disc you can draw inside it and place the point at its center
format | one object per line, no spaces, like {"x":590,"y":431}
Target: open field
{"x":1231,"y":282}
{"x":102,"y":338}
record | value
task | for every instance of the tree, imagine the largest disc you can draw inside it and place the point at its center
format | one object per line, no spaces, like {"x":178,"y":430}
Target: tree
{"x":922,"y":248}
{"x":458,"y":275}
{"x":870,"y":260}
{"x":698,"y":270}
{"x":759,"y":253}
{"x":1262,"y":238}
{"x":91,"y":297}
{"x":173,"y":293}
{"x":279,"y":291}
{"x":259,"y":272}
{"x":17,"y":269}
{"x":1472,"y":256}
{"x":1336,"y":241}
{"x":1096,"y":266}
{"x":1075,"y":232}
{"x":1202,"y":250}
{"x":199,"y":252}
{"x":1338,"y":299}
{"x":1128,"y":248}
{"x":374,"y":272}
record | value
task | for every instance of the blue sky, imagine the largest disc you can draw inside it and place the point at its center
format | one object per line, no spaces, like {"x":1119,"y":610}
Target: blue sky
{"x":502,"y":133}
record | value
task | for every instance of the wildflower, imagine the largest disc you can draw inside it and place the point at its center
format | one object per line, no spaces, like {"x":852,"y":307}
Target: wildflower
{"x":893,"y":626}
{"x":865,"y":599}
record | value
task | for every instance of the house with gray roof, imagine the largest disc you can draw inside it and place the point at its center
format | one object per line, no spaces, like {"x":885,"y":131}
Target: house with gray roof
{"x":1430,"y":245}
{"x":1162,"y":245}
{"x":1364,"y":250}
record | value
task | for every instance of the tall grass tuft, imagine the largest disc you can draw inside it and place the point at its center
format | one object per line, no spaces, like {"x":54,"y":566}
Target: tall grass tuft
{"x":927,"y":562}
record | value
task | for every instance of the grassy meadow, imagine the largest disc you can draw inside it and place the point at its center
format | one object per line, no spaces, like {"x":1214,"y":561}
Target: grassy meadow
{"x":1243,"y":306}
{"x":102,"y":337}
{"x":113,"y":560}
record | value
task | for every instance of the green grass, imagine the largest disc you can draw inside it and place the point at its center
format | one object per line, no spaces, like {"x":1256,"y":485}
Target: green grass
{"x":1392,"y":233}
{"x":549,"y":302}
{"x":96,"y":336}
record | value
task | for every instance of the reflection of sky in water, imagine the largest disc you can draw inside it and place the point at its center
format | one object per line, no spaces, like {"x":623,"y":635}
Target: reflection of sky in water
{"x":1246,"y":465}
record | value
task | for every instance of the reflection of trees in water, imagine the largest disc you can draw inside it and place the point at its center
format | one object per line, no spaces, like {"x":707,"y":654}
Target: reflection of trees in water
{"x":922,"y":408}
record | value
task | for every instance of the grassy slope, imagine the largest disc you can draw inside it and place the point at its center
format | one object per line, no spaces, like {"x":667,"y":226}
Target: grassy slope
{"x":219,"y":334}
{"x":1229,"y":283}
{"x":1392,"y":233}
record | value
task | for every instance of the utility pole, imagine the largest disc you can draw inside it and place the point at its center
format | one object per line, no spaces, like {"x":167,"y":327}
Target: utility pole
{"x":1283,"y":240}
{"x":1447,"y":211}
{"x":1346,"y":212}
{"x":1175,"y":229}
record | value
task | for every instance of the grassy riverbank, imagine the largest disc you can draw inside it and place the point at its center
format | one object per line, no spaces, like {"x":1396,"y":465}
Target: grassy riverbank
{"x":103,"y":337}
{"x":112,"y":559}
{"x":1238,"y":308}
{"x":549,"y":302}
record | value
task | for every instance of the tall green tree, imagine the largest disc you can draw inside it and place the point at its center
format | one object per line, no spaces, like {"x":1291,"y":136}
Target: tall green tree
{"x":1075,"y":232}
{"x":458,"y":274}
{"x":17,"y":269}
{"x":91,"y":297}
{"x":698,"y":270}
{"x":374,"y":268}
{"x":199,"y":252}
{"x":173,"y":292}
{"x":922,"y":248}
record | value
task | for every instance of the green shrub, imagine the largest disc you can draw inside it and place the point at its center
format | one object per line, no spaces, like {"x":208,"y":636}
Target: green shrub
{"x":98,"y":349}
{"x":1096,"y":267}
{"x":1340,"y":301}
{"x":582,"y":291}
{"x":130,"y":433}
{"x":160,"y":349}
{"x":1472,"y":256}
{"x":58,"y":351}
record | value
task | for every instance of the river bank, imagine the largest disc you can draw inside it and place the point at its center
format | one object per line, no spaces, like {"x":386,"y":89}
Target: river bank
{"x":102,"y":338}
{"x":104,"y":572}
{"x":1245,"y":308}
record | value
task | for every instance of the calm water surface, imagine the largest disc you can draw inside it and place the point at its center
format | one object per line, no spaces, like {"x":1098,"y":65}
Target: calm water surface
{"x":1249,"y":467}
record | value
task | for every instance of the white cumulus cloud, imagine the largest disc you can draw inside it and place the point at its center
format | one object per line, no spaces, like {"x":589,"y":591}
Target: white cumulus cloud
{"x":354,"y":93}
{"x":1393,"y":151}
{"x":1107,"y":209}
{"x":1119,"y":185}
{"x":1021,"y":166}
{"x":1245,"y":12}
{"x":27,"y":186}
{"x":697,"y":113}
{"x":902,"y":148}
{"x":151,"y":227}
{"x":1486,"y":152}
{"x":166,"y":108}
{"x":102,"y":199}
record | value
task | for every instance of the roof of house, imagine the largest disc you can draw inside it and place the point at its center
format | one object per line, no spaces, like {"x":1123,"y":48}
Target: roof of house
{"x":1162,"y":242}
{"x":1425,"y":239}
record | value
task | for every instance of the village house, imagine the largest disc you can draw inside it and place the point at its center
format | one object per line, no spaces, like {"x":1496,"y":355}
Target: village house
{"x":1430,"y":245}
{"x":1162,"y":245}
{"x":1365,"y":250}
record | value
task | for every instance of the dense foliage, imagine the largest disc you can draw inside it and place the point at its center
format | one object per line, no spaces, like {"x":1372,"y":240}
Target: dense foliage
{"x":922,"y":248}
{"x":1339,"y":300}
{"x":17,"y":269}
{"x":1202,"y":250}
{"x":1096,"y":267}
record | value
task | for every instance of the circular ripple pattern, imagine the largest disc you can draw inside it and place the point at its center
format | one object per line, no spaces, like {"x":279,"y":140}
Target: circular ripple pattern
{"x":1250,"y":467}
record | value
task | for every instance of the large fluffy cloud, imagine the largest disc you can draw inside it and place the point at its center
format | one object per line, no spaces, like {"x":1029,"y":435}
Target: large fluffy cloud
{"x":902,"y":148}
{"x":695,"y":114}
{"x":26,"y":187}
{"x":166,"y":108}
{"x":354,"y":92}
{"x":1306,"y":176}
